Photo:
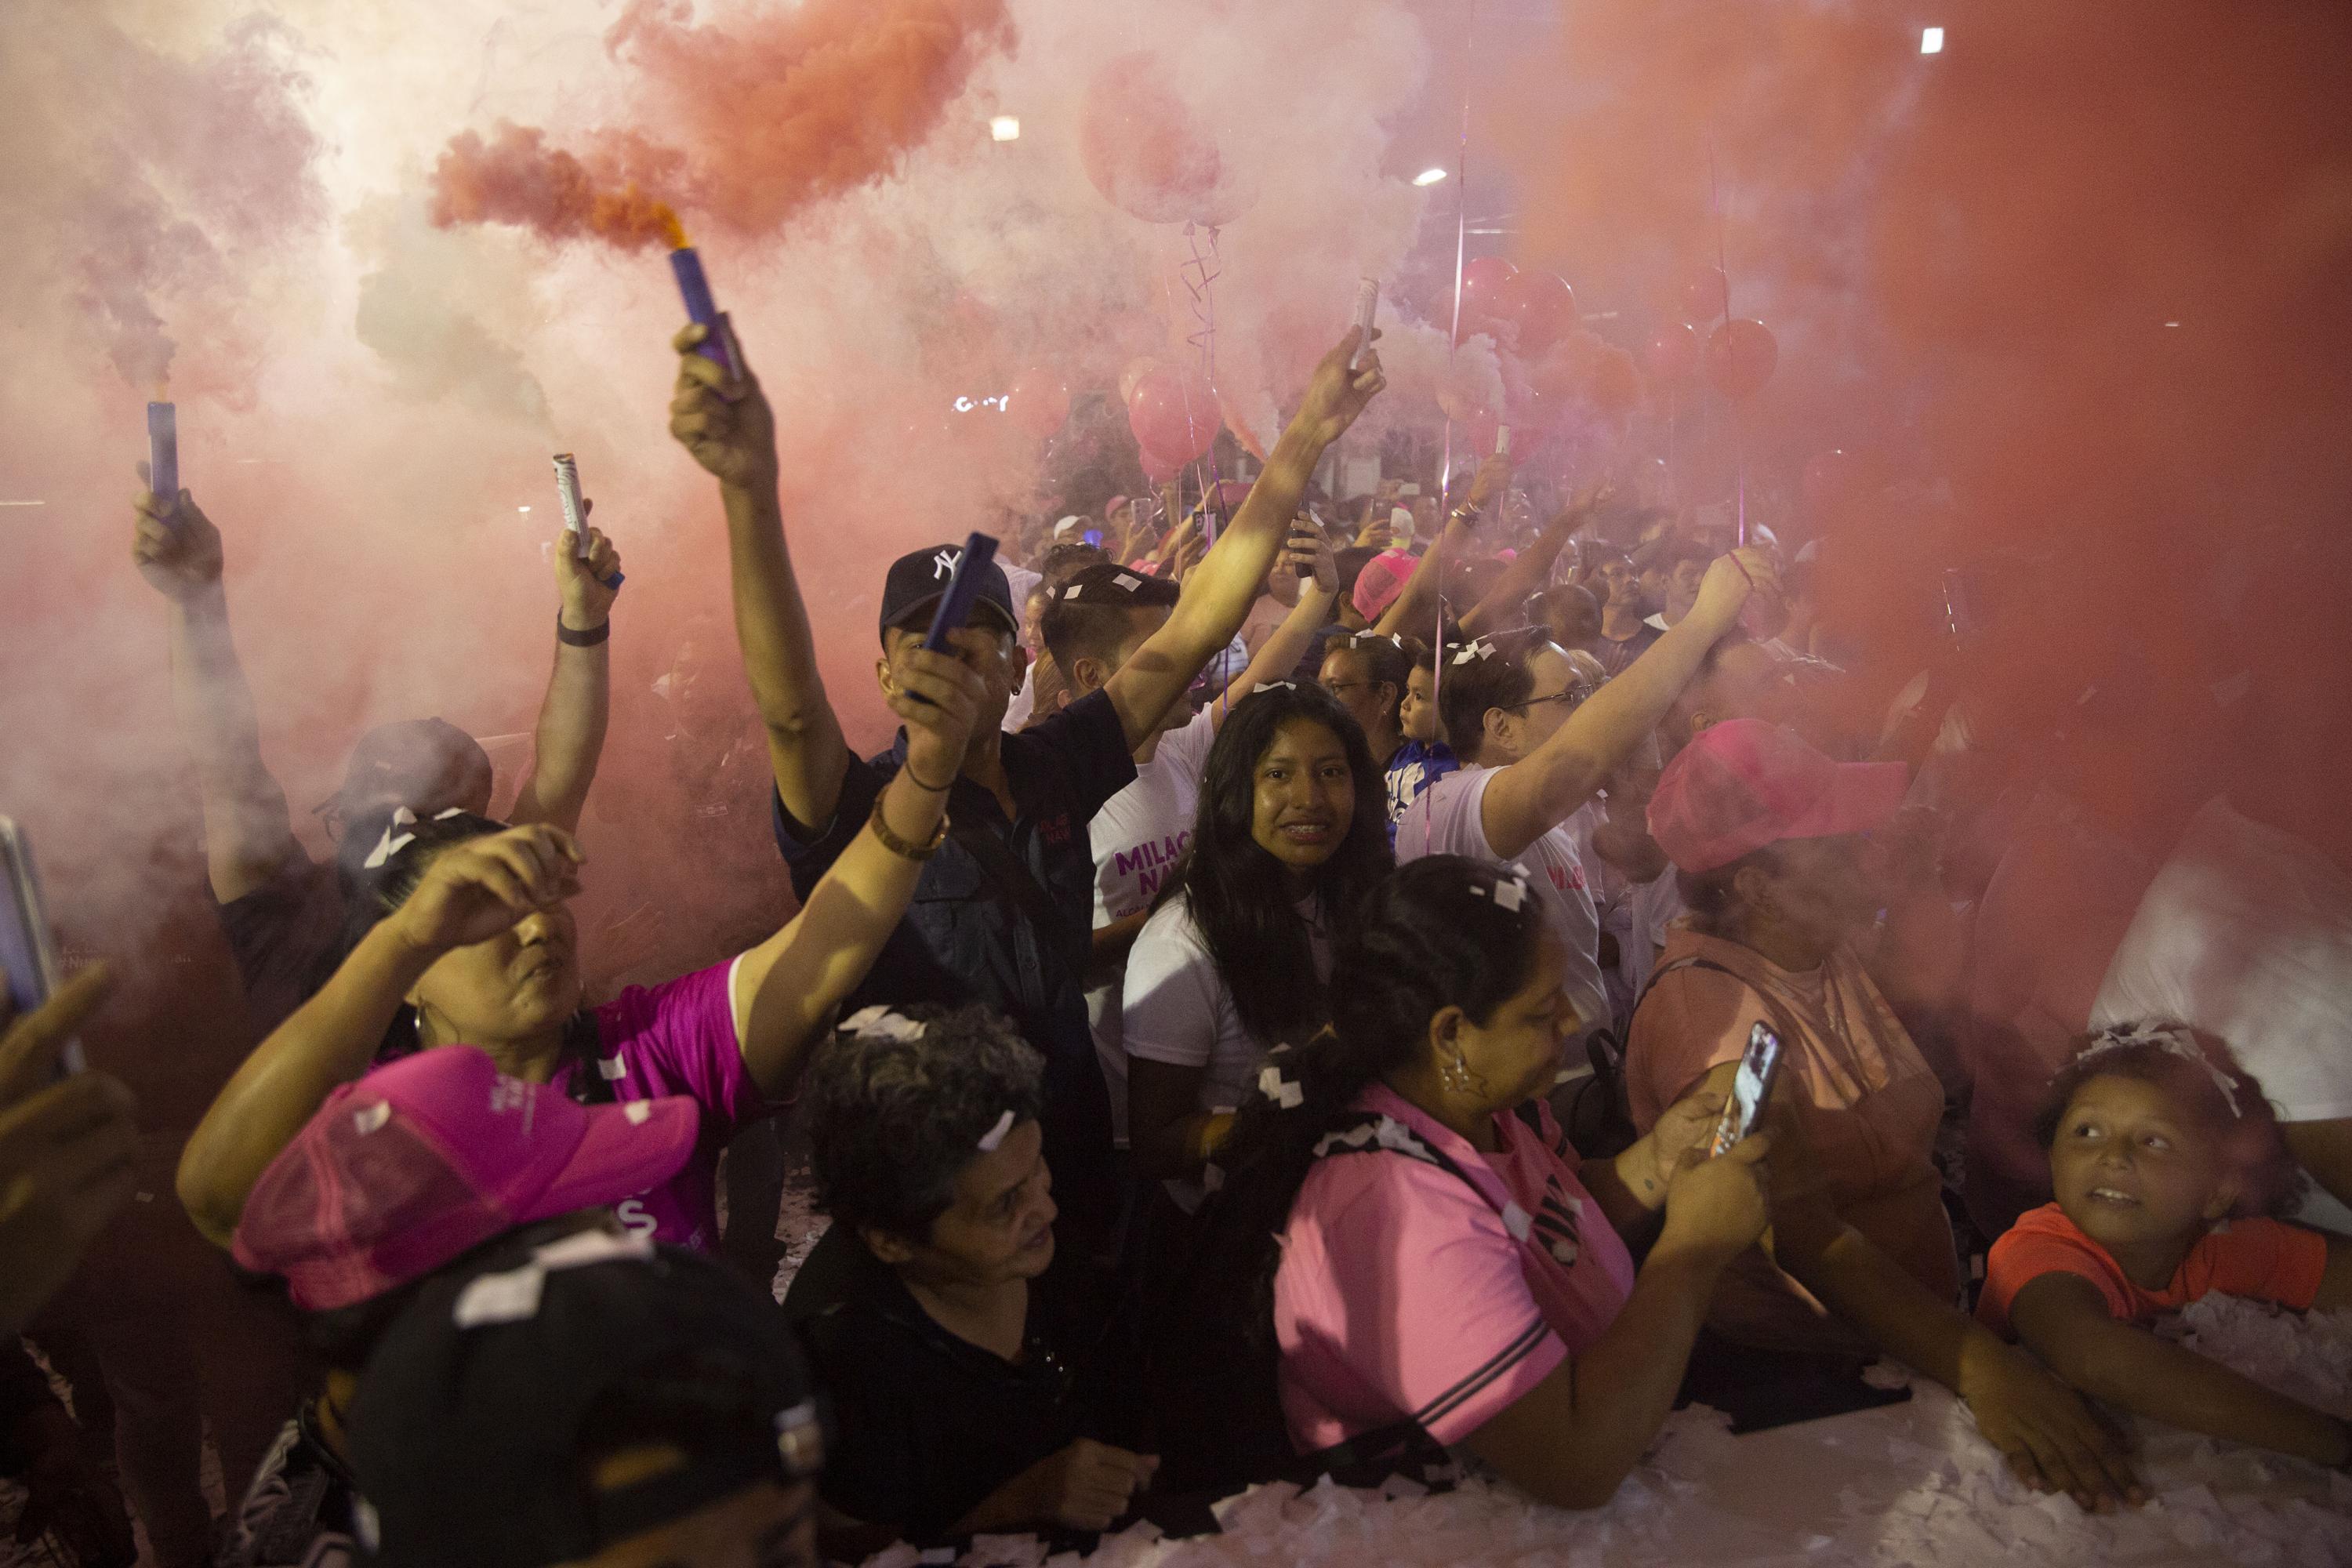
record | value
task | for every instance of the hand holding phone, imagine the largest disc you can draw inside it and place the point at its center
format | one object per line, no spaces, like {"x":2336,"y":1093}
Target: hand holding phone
{"x":27,"y":951}
{"x":1759,"y":1066}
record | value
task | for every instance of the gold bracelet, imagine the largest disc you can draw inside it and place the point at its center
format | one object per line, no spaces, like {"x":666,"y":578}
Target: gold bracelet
{"x":904,"y":848}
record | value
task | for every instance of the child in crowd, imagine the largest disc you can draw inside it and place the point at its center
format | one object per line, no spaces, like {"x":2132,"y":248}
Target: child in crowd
{"x":1424,"y":757}
{"x":2167,"y":1162}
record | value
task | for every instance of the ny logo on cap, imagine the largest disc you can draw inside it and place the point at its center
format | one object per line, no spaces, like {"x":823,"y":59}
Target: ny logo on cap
{"x":943,"y":564}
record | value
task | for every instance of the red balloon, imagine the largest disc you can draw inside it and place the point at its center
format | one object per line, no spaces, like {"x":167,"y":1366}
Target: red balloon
{"x":1543,"y":306}
{"x":1039,"y":401}
{"x":1741,"y":356}
{"x":1174,"y":415}
{"x":1135,"y":371}
{"x":1148,"y":152}
{"x":1704,"y":295}
{"x":1672,"y":353}
{"x":1158,"y":469}
{"x":1486,"y":294}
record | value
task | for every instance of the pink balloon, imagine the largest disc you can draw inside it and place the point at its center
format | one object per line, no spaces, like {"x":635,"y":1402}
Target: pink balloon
{"x":1671,"y":356}
{"x":1158,"y":469}
{"x":1039,"y":401}
{"x":1741,"y":356}
{"x":1148,"y":153}
{"x":1704,"y":294}
{"x":1543,"y":306}
{"x":1136,"y":368}
{"x":1174,"y":415}
{"x":1486,"y":294}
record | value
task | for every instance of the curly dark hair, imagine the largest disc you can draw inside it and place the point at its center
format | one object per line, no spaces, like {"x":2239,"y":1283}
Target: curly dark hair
{"x":893,"y":1121}
{"x":2248,"y":1136}
{"x":1239,"y":895}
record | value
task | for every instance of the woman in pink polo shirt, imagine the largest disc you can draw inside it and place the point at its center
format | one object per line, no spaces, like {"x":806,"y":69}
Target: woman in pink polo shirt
{"x":475,"y":945}
{"x":1406,"y":1223}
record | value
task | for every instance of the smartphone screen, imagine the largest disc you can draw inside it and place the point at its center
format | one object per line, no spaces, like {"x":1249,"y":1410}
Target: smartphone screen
{"x":963,"y":589}
{"x":1758,"y":1065}
{"x":26,"y":950}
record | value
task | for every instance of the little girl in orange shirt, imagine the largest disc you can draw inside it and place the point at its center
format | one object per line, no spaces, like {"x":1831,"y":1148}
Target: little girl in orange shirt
{"x":2167,"y":1163}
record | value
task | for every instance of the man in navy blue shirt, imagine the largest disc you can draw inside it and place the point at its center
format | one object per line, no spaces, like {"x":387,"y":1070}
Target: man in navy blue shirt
{"x":1003,"y":909}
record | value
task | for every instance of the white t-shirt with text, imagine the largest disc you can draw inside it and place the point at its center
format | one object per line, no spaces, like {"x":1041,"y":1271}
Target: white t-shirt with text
{"x":1180,"y":1011}
{"x":1449,"y":819}
{"x":1138,"y":837}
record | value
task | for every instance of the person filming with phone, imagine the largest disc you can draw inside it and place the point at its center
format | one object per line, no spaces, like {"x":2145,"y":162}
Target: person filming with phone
{"x":1766,"y":833}
{"x":1405,"y":1250}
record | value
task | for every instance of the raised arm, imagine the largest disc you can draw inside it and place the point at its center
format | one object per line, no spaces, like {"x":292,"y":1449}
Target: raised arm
{"x":1504,"y":604}
{"x":1526,"y":799}
{"x":1219,"y":592}
{"x":730,"y":429}
{"x":1416,"y":603}
{"x":579,"y":702}
{"x":248,"y":834}
{"x":1318,"y":588}
{"x":2063,"y":1319}
{"x":787,"y":987}
{"x":471,"y":892}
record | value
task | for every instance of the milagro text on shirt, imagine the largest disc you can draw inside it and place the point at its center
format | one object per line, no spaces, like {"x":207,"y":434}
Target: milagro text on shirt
{"x":1150,"y":863}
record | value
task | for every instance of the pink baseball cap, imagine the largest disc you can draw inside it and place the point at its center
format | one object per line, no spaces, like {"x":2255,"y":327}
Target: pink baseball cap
{"x":1744,"y":783}
{"x":1381,"y":580}
{"x":427,"y":1158}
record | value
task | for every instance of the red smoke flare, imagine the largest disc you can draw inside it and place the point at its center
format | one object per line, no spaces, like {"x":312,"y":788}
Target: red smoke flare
{"x":757,"y":121}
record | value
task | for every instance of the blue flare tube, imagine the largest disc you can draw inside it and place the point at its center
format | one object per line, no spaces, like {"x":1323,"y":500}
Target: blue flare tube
{"x":700,"y":308}
{"x":163,"y":453}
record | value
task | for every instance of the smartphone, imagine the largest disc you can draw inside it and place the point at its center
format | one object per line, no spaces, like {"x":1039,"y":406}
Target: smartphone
{"x":963,"y":591}
{"x":27,"y":950}
{"x":1759,"y":1065}
{"x":1094,"y":536}
{"x":1412,"y":488}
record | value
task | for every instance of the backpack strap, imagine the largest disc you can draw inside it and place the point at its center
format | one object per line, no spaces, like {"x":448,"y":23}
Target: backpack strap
{"x":1779,"y":1021}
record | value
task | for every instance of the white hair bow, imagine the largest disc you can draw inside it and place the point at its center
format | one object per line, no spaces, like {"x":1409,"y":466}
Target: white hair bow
{"x":2171,"y":1039}
{"x":879,"y":1022}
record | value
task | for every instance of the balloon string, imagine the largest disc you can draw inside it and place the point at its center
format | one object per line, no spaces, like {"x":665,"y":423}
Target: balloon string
{"x":1197,"y":275}
{"x":1723,"y":270}
{"x":1452,"y":350}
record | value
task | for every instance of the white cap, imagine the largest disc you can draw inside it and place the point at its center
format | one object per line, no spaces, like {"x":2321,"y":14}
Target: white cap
{"x":1072,"y":523}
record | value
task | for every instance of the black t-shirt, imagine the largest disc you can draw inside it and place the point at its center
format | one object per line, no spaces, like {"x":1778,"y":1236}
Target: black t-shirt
{"x":1617,"y":657}
{"x":968,"y":936}
{"x":926,"y":1424}
{"x":287,"y":938}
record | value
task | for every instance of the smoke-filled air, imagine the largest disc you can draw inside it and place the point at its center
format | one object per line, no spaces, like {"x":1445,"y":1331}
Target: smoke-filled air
{"x":1834,"y":552}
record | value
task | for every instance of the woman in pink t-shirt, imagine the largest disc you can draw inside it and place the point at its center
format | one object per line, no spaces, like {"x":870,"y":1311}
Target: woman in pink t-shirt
{"x":1408,"y":1228}
{"x":475,"y":945}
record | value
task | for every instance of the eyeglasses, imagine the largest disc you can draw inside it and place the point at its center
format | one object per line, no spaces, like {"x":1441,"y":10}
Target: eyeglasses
{"x":1570,"y":697}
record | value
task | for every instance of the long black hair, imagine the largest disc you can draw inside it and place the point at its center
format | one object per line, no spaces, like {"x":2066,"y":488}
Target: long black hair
{"x":1434,"y":934}
{"x":1239,"y":897}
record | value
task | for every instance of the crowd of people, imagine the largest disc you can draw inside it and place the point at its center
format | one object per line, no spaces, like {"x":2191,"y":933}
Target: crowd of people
{"x":1265,"y":1013}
